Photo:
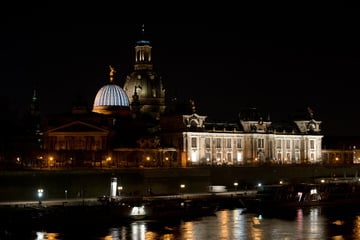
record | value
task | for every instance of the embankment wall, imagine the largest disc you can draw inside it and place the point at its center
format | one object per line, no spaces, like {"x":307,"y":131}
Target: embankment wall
{"x":22,"y":185}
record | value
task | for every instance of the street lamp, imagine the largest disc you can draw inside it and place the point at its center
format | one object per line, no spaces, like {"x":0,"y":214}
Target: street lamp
{"x":120,"y":188}
{"x":182,"y":186}
{"x":65,"y":194}
{"x":236,"y":185}
{"x":40,"y":192}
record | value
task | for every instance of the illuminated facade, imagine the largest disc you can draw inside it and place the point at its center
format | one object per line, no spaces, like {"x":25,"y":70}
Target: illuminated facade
{"x":248,"y":141}
{"x":76,"y":144}
{"x":132,"y":127}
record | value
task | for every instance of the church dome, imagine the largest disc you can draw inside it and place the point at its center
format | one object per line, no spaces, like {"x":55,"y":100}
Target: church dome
{"x":111,"y":99}
{"x":111,"y":95}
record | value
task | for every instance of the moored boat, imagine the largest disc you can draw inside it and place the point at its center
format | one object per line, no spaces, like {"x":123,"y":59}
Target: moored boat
{"x":178,"y":209}
{"x":270,"y":197}
{"x":159,"y":208}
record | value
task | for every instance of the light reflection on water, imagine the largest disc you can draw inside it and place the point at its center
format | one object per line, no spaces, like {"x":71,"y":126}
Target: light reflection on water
{"x":310,"y":223}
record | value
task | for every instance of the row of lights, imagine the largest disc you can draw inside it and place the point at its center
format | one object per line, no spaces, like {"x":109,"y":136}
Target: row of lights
{"x":40,"y":191}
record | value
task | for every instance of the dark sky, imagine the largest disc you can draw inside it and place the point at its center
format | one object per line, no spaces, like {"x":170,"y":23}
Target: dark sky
{"x":223,"y":67}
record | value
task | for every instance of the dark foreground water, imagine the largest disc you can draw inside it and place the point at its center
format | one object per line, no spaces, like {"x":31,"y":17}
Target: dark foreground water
{"x":307,"y":223}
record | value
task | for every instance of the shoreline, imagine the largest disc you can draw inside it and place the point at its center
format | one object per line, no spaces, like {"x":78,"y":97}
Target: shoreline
{"x":57,"y":184}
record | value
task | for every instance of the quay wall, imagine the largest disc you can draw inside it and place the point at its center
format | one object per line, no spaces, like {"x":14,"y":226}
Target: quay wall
{"x":22,"y":185}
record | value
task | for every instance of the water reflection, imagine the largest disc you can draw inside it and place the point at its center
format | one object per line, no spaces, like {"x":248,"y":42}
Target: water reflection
{"x":356,"y":229}
{"x":44,"y":235}
{"x":307,"y":223}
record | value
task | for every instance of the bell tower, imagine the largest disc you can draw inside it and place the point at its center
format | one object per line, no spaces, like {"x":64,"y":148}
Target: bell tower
{"x":146,"y":82}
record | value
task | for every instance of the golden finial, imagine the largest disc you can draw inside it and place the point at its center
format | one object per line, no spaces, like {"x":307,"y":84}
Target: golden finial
{"x":112,"y":72}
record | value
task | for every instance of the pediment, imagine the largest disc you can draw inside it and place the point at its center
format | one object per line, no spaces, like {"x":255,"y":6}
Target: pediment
{"x":194,"y":116}
{"x":78,"y":126}
{"x":194,"y":120}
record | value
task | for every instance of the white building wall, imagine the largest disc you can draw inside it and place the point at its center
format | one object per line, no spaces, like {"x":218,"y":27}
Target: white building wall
{"x":255,"y":148}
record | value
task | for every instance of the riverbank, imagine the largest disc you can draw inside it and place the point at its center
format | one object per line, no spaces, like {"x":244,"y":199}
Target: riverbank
{"x":22,"y":185}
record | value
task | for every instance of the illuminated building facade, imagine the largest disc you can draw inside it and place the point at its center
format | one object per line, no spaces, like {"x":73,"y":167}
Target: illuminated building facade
{"x":251,"y":140}
{"x":133,"y":127}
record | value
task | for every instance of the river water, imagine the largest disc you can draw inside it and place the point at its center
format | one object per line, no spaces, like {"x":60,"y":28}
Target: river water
{"x":302,"y":223}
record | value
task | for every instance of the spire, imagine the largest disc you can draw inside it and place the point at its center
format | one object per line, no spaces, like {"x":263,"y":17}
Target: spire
{"x":142,"y":41}
{"x":34,"y":106}
{"x":34,"y":96}
{"x":143,"y":30}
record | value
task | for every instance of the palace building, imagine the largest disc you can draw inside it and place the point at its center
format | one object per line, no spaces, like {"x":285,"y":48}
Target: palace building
{"x":132,"y":126}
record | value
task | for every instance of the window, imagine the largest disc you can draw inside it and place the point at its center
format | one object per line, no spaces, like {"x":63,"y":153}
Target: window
{"x":193,"y":142}
{"x":287,"y":144}
{"x":228,"y":143}
{"x":239,"y":156}
{"x":312,"y":144}
{"x":260,"y":143}
{"x":218,"y":142}
{"x":218,"y":158}
{"x":207,"y":157}
{"x":278,"y":144}
{"x":297,"y":144}
{"x":228,"y":158}
{"x":207,"y":142}
{"x":238,"y":143}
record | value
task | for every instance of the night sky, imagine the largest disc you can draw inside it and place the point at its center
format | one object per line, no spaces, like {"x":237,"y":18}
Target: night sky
{"x":223,"y":67}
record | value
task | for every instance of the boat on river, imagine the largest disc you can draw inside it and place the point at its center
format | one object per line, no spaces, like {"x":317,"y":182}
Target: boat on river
{"x":325,"y":193}
{"x":178,"y":209}
{"x":161,"y":208}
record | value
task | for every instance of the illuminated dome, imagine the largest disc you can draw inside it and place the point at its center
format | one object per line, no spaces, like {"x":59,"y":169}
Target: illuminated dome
{"x":111,"y":99}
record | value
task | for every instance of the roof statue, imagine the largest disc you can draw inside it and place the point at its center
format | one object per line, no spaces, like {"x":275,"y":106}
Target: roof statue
{"x":311,"y":112}
{"x":112,"y":72}
{"x":193,"y":107}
